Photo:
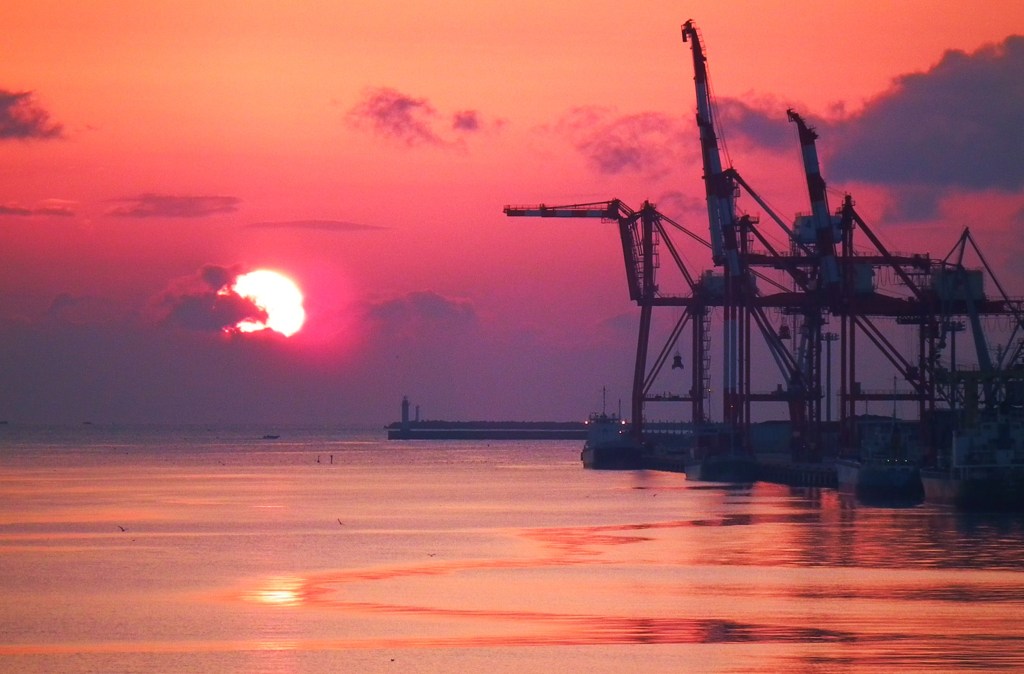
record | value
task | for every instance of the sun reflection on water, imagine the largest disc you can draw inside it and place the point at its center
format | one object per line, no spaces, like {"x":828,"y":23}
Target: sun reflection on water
{"x":279,"y":591}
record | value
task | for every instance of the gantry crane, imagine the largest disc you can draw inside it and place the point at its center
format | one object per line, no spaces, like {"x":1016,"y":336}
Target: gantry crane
{"x":730,"y":237}
{"x":641,"y":232}
{"x":826,"y":274}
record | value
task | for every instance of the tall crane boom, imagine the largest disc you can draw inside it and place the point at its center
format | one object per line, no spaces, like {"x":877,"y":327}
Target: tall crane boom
{"x":824,"y":237}
{"x":720,"y":189}
{"x":639,"y":272}
{"x":718,"y":186}
{"x":639,"y":231}
{"x":607,"y":210}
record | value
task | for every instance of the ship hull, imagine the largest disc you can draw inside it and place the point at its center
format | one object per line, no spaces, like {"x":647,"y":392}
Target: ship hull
{"x":978,"y":489}
{"x":880,"y":481}
{"x":612,"y":457}
{"x":742,"y":469}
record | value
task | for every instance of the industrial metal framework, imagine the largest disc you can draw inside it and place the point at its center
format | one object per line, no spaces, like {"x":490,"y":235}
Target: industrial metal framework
{"x":827,"y":276}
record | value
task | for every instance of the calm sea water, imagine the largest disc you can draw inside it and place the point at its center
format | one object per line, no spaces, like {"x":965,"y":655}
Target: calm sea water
{"x":326,"y":551}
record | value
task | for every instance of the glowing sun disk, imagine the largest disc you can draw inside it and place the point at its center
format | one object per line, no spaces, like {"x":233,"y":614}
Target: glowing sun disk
{"x":277,"y":295}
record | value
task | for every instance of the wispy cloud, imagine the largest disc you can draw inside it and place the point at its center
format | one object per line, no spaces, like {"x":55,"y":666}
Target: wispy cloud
{"x":398,"y":116}
{"x":315,"y":225}
{"x":764,"y":124}
{"x":646,"y":142}
{"x":414,"y":121}
{"x":22,"y":118}
{"x":422,"y":306}
{"x":173,"y":206}
{"x":51,"y":207}
{"x":675,"y":201}
{"x":467,"y":120}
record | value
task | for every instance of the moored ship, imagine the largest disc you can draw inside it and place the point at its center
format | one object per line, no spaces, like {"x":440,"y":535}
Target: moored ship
{"x":609,"y":445}
{"x":882,"y":480}
{"x":886,"y":470}
{"x":983,"y":468}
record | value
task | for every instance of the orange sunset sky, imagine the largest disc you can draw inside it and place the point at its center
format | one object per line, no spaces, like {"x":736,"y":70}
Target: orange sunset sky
{"x":151,"y":150}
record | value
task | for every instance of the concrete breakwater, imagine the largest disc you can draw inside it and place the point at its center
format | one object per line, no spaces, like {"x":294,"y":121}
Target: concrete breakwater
{"x":487,"y":430}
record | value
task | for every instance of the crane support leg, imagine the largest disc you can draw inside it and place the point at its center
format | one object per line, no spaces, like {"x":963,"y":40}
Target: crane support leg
{"x":639,"y":372}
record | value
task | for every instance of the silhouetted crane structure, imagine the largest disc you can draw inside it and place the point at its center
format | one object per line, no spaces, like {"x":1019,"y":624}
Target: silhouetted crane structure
{"x":641,"y":232}
{"x":826,"y":274}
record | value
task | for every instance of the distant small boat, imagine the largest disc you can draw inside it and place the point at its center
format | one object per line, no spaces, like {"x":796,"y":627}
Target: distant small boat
{"x":268,"y":436}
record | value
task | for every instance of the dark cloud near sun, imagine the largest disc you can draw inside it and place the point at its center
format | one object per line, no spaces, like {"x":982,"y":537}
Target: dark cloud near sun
{"x":216,"y":277}
{"x":412,"y":121}
{"x":645,"y":142}
{"x":201,"y":302}
{"x":210,"y":312}
{"x":173,"y":206}
{"x":22,"y":118}
{"x":315,"y":225}
{"x":956,"y":126}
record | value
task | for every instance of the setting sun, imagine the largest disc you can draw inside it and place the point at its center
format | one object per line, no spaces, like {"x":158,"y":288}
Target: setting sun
{"x":276,"y":294}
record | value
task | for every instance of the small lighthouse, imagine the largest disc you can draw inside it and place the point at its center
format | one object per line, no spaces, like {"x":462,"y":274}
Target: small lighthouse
{"x":405,"y":413}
